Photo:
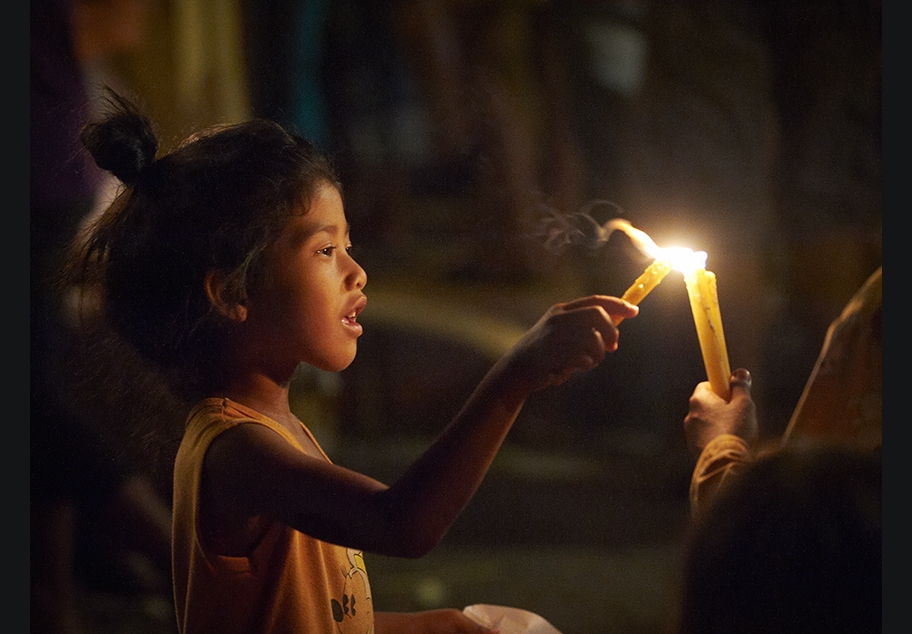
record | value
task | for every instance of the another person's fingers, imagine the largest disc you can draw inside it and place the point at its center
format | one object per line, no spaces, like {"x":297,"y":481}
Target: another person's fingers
{"x":741,"y":378}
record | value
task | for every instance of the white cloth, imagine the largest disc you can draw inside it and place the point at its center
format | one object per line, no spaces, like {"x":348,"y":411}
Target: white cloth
{"x":508,"y":620}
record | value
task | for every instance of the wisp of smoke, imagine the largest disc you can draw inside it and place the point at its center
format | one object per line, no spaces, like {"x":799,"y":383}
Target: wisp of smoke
{"x":560,"y":231}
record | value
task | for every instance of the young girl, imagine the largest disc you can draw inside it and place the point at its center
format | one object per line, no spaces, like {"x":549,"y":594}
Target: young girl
{"x":227,"y":263}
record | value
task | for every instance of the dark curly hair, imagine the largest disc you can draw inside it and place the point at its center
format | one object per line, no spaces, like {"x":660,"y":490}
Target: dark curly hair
{"x":216,"y":202}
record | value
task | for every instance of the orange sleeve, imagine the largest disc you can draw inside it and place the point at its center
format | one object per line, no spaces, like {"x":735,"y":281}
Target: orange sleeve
{"x":722,"y":459}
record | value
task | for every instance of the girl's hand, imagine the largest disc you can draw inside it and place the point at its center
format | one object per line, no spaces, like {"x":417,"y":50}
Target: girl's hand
{"x":442,"y":621}
{"x":570,"y":337}
{"x":710,"y":415}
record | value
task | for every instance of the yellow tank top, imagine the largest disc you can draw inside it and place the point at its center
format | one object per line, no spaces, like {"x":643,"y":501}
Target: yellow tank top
{"x":290,"y":583}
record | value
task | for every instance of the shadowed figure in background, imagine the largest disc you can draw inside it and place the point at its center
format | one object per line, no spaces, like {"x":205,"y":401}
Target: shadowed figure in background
{"x":787,"y":536}
{"x":793,"y":545}
{"x":88,"y":504}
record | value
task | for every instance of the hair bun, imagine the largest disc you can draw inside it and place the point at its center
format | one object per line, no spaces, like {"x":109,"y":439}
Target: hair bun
{"x":122,"y":142}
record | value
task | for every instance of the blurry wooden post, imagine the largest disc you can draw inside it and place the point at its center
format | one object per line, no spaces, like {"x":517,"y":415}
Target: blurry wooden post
{"x":190,"y":68}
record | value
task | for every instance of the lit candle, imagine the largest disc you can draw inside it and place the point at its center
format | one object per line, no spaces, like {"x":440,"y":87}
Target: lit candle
{"x":701,"y":289}
{"x":704,"y":303}
{"x":653,"y":274}
{"x":650,"y":278}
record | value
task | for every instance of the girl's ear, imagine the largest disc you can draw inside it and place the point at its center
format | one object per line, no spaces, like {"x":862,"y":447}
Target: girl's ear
{"x":221,"y":297}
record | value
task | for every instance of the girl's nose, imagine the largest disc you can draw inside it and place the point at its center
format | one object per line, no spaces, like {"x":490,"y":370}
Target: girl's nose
{"x":358,"y":275}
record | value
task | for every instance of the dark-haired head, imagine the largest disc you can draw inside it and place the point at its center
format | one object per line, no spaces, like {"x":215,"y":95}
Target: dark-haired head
{"x":216,"y":202}
{"x":794,"y":545}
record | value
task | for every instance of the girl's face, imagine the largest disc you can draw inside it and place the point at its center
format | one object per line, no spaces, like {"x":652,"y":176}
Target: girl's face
{"x":307,"y":307}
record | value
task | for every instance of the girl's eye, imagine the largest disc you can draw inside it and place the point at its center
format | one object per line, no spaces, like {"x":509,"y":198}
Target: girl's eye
{"x":351,"y":249}
{"x":327,"y":251}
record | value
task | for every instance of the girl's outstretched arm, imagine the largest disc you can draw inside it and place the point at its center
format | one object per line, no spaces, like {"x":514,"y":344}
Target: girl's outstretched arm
{"x":251,"y":469}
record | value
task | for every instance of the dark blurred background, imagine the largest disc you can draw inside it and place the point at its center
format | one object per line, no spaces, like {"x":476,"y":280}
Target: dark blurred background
{"x":747,"y":129}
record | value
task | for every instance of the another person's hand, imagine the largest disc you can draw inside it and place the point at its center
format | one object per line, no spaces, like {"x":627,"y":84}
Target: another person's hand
{"x":710,"y":415}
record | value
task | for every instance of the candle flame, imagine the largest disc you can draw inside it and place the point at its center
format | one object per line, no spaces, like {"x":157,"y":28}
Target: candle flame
{"x":639,"y":238}
{"x":685,"y":260}
{"x":682,"y":259}
{"x":561,"y":231}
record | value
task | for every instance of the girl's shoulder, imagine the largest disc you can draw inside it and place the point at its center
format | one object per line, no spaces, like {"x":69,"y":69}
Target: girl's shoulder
{"x":213,"y":416}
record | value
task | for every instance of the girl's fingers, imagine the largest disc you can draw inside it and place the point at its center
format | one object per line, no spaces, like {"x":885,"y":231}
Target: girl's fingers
{"x":611,"y":305}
